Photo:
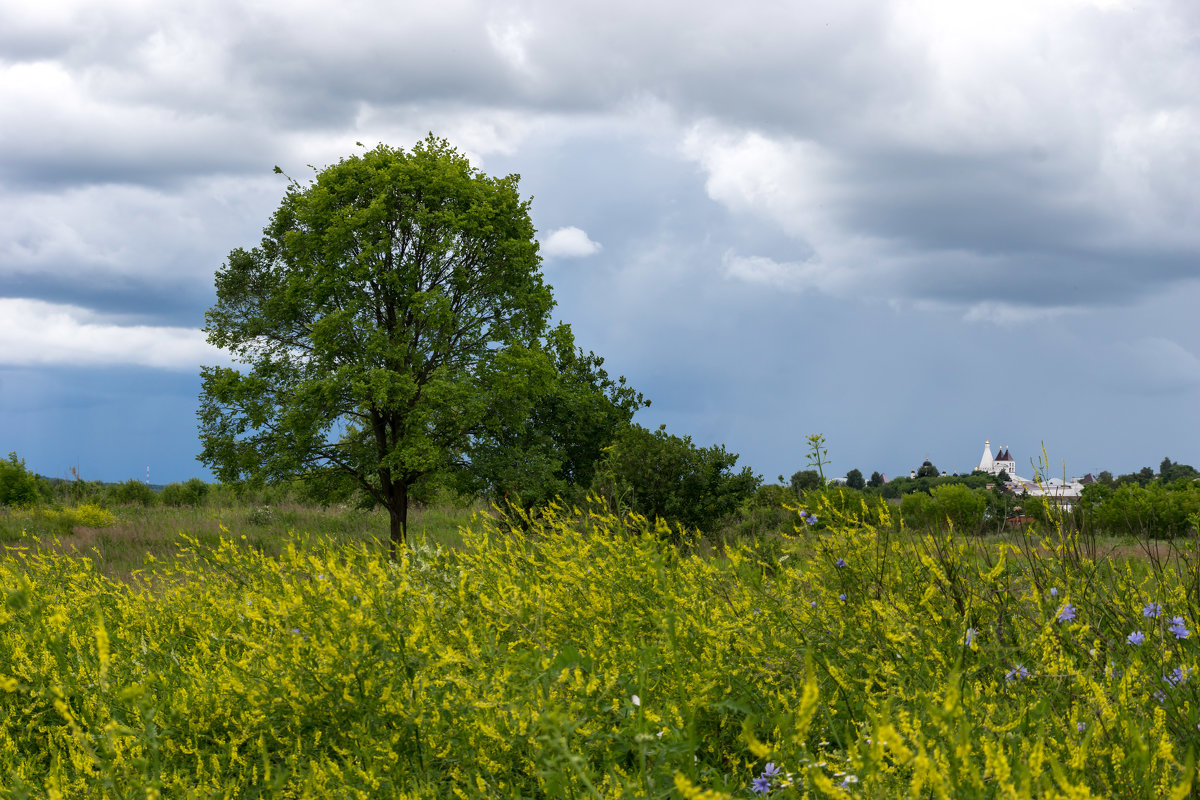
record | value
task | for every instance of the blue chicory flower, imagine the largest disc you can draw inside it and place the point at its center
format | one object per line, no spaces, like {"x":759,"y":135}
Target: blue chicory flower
{"x":1151,"y":610}
{"x":1179,"y":628}
{"x":841,"y":562}
{"x":761,"y":785}
{"x":970,"y":637}
{"x":1136,"y":638}
{"x":1016,"y":673}
{"x":772,"y":770}
{"x":1054,"y":591}
{"x":842,"y":597}
{"x":1066,"y":613}
{"x":1177,"y":676}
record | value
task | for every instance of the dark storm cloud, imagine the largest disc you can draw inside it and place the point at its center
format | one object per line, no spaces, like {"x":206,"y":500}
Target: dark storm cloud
{"x":319,"y":87}
{"x":152,"y":98}
{"x":102,"y":163}
{"x":132,"y":300}
{"x":145,"y":255}
{"x":793,"y":206}
{"x":941,"y":172}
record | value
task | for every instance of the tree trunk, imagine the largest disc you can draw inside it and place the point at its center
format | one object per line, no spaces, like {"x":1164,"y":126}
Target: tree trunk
{"x":398,"y":518}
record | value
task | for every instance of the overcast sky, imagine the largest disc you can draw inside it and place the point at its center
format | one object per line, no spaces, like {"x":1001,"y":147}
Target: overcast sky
{"x":908,"y":225}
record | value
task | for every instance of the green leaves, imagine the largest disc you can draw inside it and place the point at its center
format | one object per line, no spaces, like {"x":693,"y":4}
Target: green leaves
{"x":660,"y":475}
{"x":551,"y":421}
{"x":18,"y":486}
{"x":377,"y":315}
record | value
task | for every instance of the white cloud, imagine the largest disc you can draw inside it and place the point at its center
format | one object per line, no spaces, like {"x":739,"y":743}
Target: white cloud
{"x":569,"y":242}
{"x":34,"y":333}
{"x":1008,"y":314}
{"x":1038,"y":139}
{"x":789,"y":181}
{"x":792,"y":275}
{"x":510,"y":39}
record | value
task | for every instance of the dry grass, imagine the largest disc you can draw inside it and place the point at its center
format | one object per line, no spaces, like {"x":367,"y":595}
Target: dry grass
{"x":144,"y":536}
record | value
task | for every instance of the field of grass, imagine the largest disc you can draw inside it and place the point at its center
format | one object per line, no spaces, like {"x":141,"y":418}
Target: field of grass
{"x":118,"y":541}
{"x":585,"y":655}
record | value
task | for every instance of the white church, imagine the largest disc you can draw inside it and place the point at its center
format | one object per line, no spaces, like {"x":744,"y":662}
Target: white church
{"x":1001,"y":463}
{"x":1063,"y":493}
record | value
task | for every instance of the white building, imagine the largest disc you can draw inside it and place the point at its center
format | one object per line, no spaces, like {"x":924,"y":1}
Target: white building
{"x":1001,"y":463}
{"x":1062,"y":493}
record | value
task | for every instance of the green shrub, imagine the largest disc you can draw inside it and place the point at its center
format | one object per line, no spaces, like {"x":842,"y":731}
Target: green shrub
{"x":1153,"y":510}
{"x":87,"y":515}
{"x":665,"y":476}
{"x":132,"y":493}
{"x":53,"y":522}
{"x":191,"y":493}
{"x":960,"y":507}
{"x":918,"y":510}
{"x":90,"y":515}
{"x":18,"y":486}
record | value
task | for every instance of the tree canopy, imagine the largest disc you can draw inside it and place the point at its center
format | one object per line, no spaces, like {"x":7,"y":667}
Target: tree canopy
{"x":393,"y":315}
{"x":554,"y":449}
{"x":661,"y":475}
{"x":805,"y":480}
{"x":854,"y":479}
{"x":18,"y":486}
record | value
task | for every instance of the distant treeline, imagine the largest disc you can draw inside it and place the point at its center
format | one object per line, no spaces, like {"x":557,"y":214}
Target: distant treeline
{"x":697,"y":489}
{"x":1165,"y":504}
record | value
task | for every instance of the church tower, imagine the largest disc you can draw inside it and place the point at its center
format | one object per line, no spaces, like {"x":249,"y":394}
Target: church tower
{"x":985,"y":463}
{"x":1005,"y":462}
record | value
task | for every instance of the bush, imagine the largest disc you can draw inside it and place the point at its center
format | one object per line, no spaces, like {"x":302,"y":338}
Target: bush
{"x":949,"y":504}
{"x":132,"y":493}
{"x":87,"y":515}
{"x":18,"y":486}
{"x":960,"y":507}
{"x":191,"y":493}
{"x":1153,"y":510}
{"x":919,"y":510}
{"x":90,"y":515}
{"x":53,"y":522}
{"x":665,"y":476}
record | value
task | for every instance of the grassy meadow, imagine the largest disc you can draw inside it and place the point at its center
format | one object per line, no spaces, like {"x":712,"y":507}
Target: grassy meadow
{"x":118,"y":542}
{"x":276,"y":652}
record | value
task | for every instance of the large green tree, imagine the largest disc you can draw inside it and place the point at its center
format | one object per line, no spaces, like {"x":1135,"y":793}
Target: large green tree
{"x":566,"y":425}
{"x":393,"y":310}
